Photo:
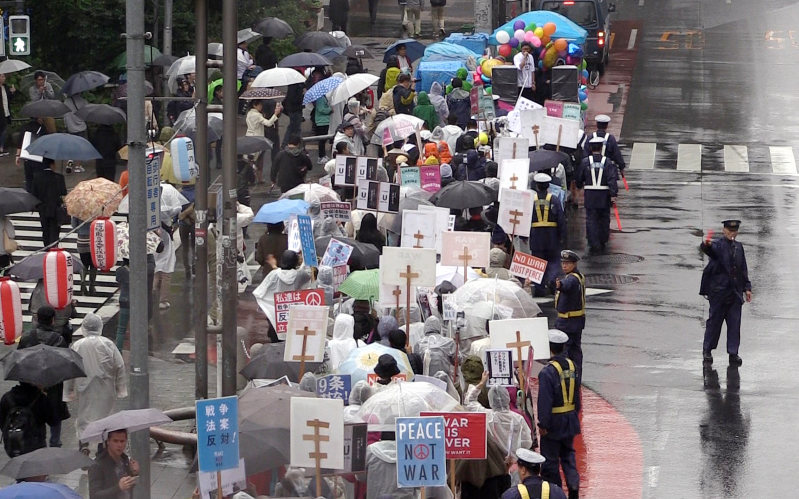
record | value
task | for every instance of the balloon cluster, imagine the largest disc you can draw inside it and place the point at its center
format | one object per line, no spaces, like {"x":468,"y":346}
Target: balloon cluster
{"x":485,"y":68}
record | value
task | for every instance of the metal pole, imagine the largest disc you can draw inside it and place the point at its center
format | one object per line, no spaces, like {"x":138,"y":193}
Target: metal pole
{"x":139,"y":292}
{"x":228,"y":275}
{"x":201,"y":206}
{"x":168,"y":28}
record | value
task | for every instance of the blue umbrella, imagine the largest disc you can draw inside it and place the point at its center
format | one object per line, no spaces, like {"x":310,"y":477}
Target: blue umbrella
{"x":321,"y":89}
{"x":280,"y":210}
{"x":415,"y":49}
{"x":38,"y":490}
{"x":63,"y":146}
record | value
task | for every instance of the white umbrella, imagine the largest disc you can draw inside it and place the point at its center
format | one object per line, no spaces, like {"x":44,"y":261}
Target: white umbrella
{"x":215,"y":49}
{"x":247,"y":35}
{"x":351,"y":86}
{"x":400,"y":125}
{"x":13,"y":65}
{"x":171,"y":201}
{"x":185,"y":65}
{"x":278,"y":77}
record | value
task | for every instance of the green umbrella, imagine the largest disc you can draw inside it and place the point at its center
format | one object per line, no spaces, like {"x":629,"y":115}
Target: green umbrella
{"x":218,"y":83}
{"x":150,"y":53}
{"x":362,"y":285}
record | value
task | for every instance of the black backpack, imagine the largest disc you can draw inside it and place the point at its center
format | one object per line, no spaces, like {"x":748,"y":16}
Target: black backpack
{"x":18,"y":425}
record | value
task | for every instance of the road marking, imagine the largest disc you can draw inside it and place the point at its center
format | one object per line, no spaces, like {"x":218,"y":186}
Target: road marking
{"x":633,"y":36}
{"x":643,"y":156}
{"x":640,"y":3}
{"x":652,"y":474}
{"x":689,"y":157}
{"x":782,"y":160}
{"x":736,"y":159}
{"x":728,"y":1}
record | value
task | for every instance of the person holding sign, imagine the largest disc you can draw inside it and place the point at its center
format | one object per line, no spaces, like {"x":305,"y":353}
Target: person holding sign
{"x":508,"y":429}
{"x":285,"y":277}
{"x":532,"y":486}
{"x":599,"y":176}
{"x":570,"y":304}
{"x":558,"y":408}
{"x":548,"y":229}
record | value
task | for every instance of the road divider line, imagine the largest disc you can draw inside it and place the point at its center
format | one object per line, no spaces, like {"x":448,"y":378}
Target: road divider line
{"x":643,"y":156}
{"x":689,"y":157}
{"x":633,"y":36}
{"x":640,"y":3}
{"x":783,"y":160}
{"x":736,"y":159}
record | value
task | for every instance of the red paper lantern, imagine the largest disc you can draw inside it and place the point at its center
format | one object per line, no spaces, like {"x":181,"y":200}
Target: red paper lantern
{"x":58,"y":278}
{"x":10,"y":310}
{"x":103,"y":242}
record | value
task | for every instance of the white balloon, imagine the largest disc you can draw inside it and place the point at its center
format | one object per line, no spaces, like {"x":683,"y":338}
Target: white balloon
{"x":503,"y":37}
{"x":519,"y":35}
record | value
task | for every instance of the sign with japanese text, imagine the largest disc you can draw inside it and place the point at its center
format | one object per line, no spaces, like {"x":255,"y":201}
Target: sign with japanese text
{"x":519,"y":334}
{"x":337,"y":253}
{"x":466,"y":434}
{"x":396,"y":263}
{"x":284,"y":301}
{"x":334,"y":386}
{"x":232,"y":477}
{"x":345,"y":170}
{"x":572,"y":111}
{"x":516,"y":211}
{"x":528,"y":267}
{"x":217,"y":433}
{"x":474,"y":100}
{"x":460,"y":248}
{"x":305,"y":333}
{"x":152,"y":173}
{"x":317,"y":432}
{"x":430,"y":177}
{"x":337,"y":210}
{"x":340,"y":273}
{"x":305,"y":230}
{"x":499,"y":362}
{"x":421,"y":452}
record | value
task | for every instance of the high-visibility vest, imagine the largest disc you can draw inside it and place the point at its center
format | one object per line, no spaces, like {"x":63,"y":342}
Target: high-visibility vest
{"x":526,"y":495}
{"x":573,"y":313}
{"x":596,"y":178}
{"x":542,"y":215}
{"x":568,"y":392}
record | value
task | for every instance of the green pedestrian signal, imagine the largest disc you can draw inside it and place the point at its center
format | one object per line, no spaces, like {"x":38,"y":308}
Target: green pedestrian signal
{"x":19,"y":35}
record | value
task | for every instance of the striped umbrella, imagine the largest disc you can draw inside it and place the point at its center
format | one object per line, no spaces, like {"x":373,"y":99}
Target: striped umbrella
{"x":362,"y":285}
{"x":320,"y":89}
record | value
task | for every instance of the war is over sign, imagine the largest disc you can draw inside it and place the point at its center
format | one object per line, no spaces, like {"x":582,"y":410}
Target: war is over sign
{"x":465,"y":436}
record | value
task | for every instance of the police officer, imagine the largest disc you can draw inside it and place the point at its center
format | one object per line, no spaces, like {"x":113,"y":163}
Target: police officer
{"x":558,"y":405}
{"x":570,"y":305}
{"x":598,"y":175}
{"x":725,"y":283}
{"x":532,"y":486}
{"x":610,"y":148}
{"x":548,"y":229}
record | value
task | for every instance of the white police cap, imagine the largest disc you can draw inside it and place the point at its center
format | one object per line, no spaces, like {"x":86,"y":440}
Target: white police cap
{"x":602,"y":118}
{"x":557,"y":336}
{"x":542,"y":177}
{"x":529,"y":456}
{"x":597,"y":140}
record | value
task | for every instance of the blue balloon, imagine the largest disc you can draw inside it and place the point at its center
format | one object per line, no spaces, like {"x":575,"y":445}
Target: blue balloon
{"x":518,"y":25}
{"x":585,"y":73}
{"x":540,"y":64}
{"x":485,"y":79}
{"x":514,"y":42}
{"x":583,"y":95}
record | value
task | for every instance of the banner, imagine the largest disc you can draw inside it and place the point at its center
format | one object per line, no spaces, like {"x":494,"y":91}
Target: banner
{"x":528,"y":267}
{"x":466,"y":434}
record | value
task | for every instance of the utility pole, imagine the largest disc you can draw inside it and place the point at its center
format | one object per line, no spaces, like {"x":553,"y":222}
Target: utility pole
{"x":201,"y":204}
{"x":139,"y":291}
{"x":228,"y":222}
{"x":168,"y":28}
{"x":482,"y":16}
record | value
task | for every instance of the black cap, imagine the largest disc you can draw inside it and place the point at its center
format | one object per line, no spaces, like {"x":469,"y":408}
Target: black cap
{"x":386,"y":366}
{"x":731,"y":224}
{"x":45,"y":314}
{"x":569,"y":256}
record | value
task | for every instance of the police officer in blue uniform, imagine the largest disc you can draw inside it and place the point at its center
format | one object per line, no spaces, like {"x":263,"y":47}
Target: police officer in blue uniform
{"x":548,"y":229}
{"x":610,"y":148}
{"x":532,"y":486}
{"x":598,"y":175}
{"x":570,"y":305}
{"x":558,"y":405}
{"x":725,"y":283}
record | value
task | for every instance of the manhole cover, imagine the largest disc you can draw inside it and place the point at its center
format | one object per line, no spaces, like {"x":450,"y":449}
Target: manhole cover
{"x":608,"y":279}
{"x":617,"y":258}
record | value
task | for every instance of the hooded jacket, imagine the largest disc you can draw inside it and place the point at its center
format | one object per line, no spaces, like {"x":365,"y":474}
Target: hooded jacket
{"x":439,"y":102}
{"x":343,"y":342}
{"x":459,"y":104}
{"x":426,"y":111}
{"x":290,"y":167}
{"x":403,"y":99}
{"x":278,"y":281}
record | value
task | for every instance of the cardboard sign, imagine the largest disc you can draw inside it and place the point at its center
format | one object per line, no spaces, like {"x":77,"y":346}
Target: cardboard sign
{"x":466,"y":434}
{"x":334,"y":386}
{"x":378,"y":196}
{"x":469,"y":248}
{"x":285,"y":300}
{"x":513,"y":174}
{"x":340,"y":273}
{"x":371,"y":378}
{"x":532,"y":333}
{"x":152,"y":171}
{"x":338,"y":211}
{"x":430,"y":177}
{"x":366,"y":168}
{"x":441,"y":216}
{"x":355,"y":441}
{"x":449,"y":312}
{"x":516,"y":211}
{"x":560,"y":131}
{"x":390,"y":292}
{"x":422,"y":262}
{"x":312,"y":418}
{"x":207,"y":481}
{"x":418,"y":230}
{"x":421,"y":452}
{"x":305,"y":333}
{"x":345,"y":170}
{"x":554,"y":108}
{"x":528,"y":267}
{"x":510,"y":148}
{"x":337,"y":253}
{"x":499,"y":362}
{"x":294,"y":235}
{"x":217,"y":433}
{"x":410,"y":175}
{"x":307,"y":240}
{"x":572,"y":111}
{"x":532,"y":120}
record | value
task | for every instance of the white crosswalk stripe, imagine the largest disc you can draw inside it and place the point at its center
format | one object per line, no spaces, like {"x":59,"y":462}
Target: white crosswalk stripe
{"x":643,"y":157}
{"x":736,"y":159}
{"x":783,"y":160}
{"x":728,"y":158}
{"x":28,"y":234}
{"x":689,"y":157}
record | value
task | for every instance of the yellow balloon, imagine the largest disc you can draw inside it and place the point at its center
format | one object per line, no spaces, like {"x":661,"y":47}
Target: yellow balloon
{"x":483,"y":138}
{"x":488,"y":66}
{"x":539,"y":32}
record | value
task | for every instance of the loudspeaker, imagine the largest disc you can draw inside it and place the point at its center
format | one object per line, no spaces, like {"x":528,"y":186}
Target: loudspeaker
{"x":565,"y":83}
{"x":503,"y":83}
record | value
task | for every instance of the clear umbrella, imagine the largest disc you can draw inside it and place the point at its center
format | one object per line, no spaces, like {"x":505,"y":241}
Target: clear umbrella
{"x":403,"y":399}
{"x":311,"y":192}
{"x":131,"y":420}
{"x":278,"y":77}
{"x":509,"y":300}
{"x":401,"y":126}
{"x":362,"y":361}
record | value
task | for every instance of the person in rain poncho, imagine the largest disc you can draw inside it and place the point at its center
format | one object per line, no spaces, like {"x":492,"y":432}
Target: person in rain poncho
{"x":315,"y":212}
{"x":346,"y":133}
{"x":343,"y":342}
{"x":477,"y":317}
{"x":324,"y":280}
{"x":437,"y":351}
{"x":330,"y":228}
{"x":337,"y":114}
{"x":105,"y":379}
{"x":507,"y":428}
{"x":287,"y":277}
{"x":439,"y":102}
{"x":497,"y":259}
{"x":425,"y":110}
{"x":360,"y":393}
{"x":308,"y":383}
{"x":381,"y":472}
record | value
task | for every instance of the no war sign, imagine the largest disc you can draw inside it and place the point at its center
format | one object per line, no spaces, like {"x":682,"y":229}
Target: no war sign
{"x":465,"y":437}
{"x":421,"y":459}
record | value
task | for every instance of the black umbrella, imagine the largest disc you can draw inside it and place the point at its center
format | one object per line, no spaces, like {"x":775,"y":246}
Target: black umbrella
{"x":43,"y":365}
{"x":464,"y":194}
{"x":122,"y":90}
{"x":544,"y":159}
{"x":31,"y":268}
{"x":84,"y":81}
{"x":314,"y":40}
{"x":45,"y":461}
{"x":364,"y":255}
{"x":273,"y":27}
{"x":303,"y":59}
{"x":45,"y":108}
{"x":16,"y":200}
{"x":251,"y":144}
{"x":102,"y":114}
{"x":64,"y":146}
{"x":269,"y":364}
{"x":164,"y":60}
{"x":358,"y":52}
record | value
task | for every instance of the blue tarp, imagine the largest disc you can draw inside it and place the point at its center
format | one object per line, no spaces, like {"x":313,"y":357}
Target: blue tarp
{"x":440,"y":71}
{"x":447,"y":51}
{"x":476,"y":43}
{"x":566,"y":27}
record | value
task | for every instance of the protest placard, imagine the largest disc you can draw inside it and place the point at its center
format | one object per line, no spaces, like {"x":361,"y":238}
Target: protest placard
{"x":305,"y":335}
{"x":366,"y":168}
{"x":516,"y":211}
{"x":285,"y":300}
{"x":392,"y":294}
{"x":209,"y":485}
{"x":510,"y":148}
{"x":340,"y":273}
{"x":337,"y":253}
{"x":465,"y":249}
{"x":513,"y":174}
{"x":430,"y":177}
{"x":532,"y":121}
{"x":307,"y":245}
{"x":317,"y":433}
{"x":466,"y":434}
{"x":346,"y":170}
{"x":560,"y":132}
{"x":499,"y":362}
{"x":441,"y":216}
{"x":397,"y":262}
{"x":572,"y":111}
{"x":337,"y":210}
{"x":371,"y":378}
{"x":554,"y":108}
{"x":378,"y":196}
{"x":294,"y":235}
{"x":528,"y":267}
{"x":418,"y":230}
{"x":410,"y":175}
{"x":217,"y":433}
{"x":421,"y":452}
{"x":334,"y":386}
{"x":518,"y":334}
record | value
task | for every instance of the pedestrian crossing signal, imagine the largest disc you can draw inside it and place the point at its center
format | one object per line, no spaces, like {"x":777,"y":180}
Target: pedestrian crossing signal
{"x":19,"y":35}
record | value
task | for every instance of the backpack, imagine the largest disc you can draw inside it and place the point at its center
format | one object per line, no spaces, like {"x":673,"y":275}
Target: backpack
{"x":18,"y":425}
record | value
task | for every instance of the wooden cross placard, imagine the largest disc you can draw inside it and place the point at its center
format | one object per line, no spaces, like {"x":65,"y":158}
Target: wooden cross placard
{"x":516,"y":211}
{"x":518,"y":335}
{"x":465,"y":249}
{"x":317,"y":435}
{"x":317,"y":455}
{"x":513,"y":174}
{"x":305,"y":337}
{"x":408,"y":267}
{"x":418,"y":230}
{"x":536,"y":129}
{"x":393,"y":295}
{"x":510,"y":148}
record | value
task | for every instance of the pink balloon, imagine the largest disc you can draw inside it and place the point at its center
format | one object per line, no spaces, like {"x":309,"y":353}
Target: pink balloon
{"x":479,"y":71}
{"x":535,"y":41}
{"x":528,"y":36}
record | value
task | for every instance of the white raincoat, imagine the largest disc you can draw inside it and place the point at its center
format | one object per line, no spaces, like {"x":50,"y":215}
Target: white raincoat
{"x":343,"y":343}
{"x":509,"y":429}
{"x":278,"y":281}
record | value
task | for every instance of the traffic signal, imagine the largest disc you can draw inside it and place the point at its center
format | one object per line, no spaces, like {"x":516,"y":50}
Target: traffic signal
{"x":19,"y":35}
